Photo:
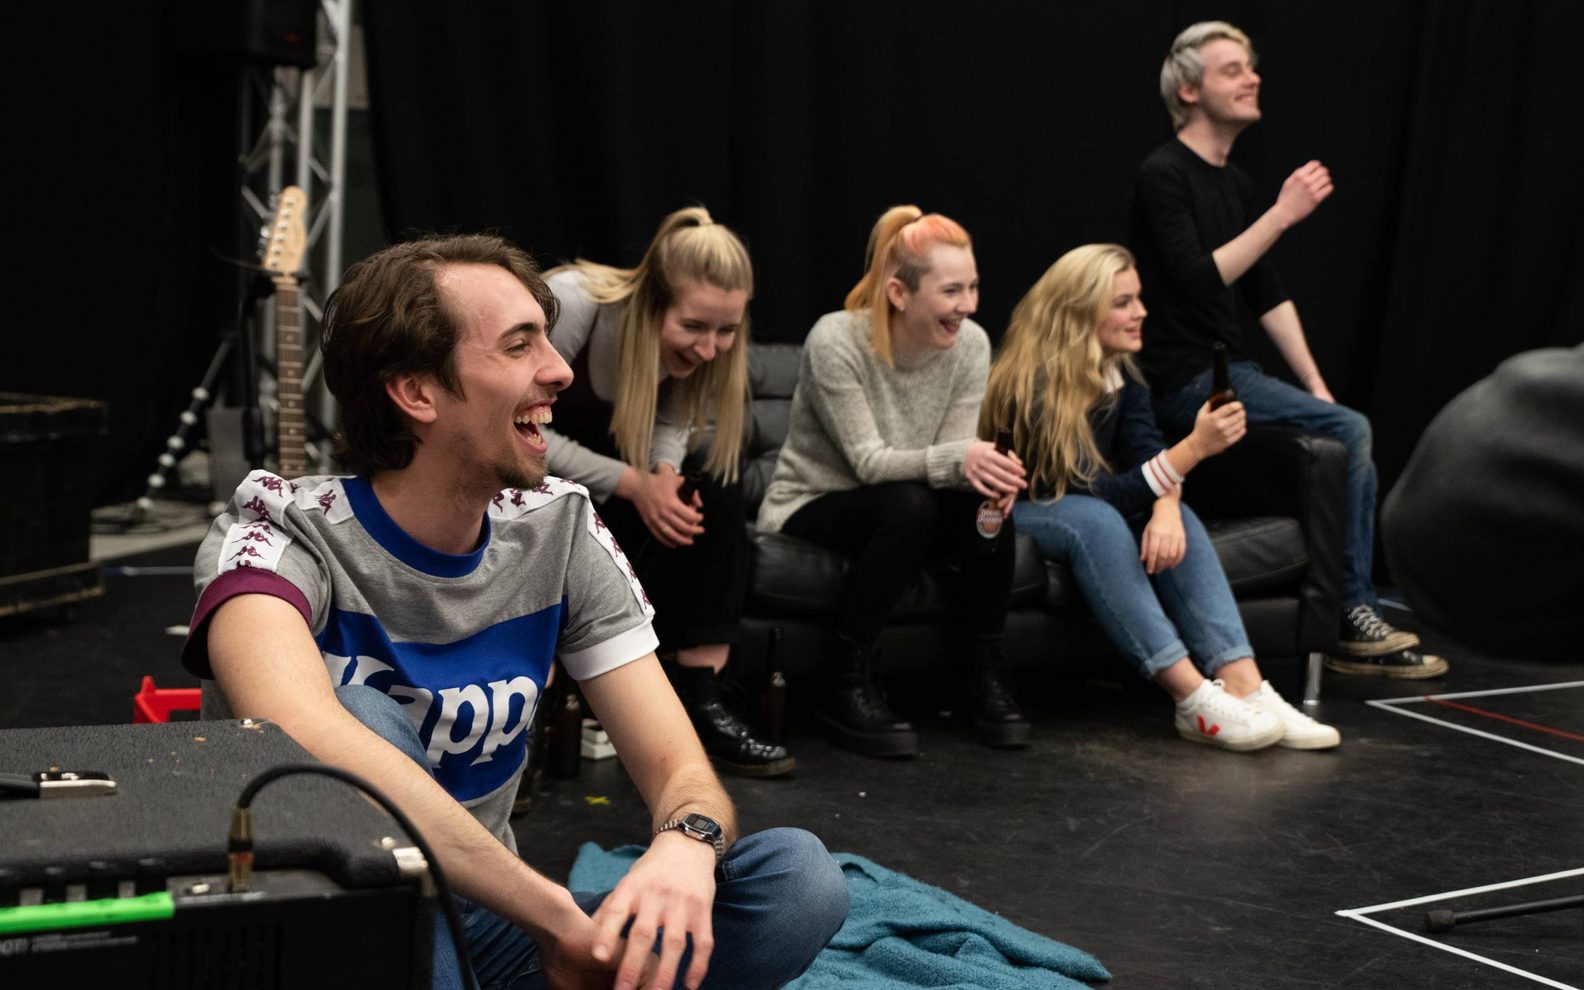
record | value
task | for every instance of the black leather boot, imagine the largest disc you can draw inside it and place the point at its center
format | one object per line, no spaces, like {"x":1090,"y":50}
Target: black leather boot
{"x":854,"y":710}
{"x":727,"y":739}
{"x":997,"y":719}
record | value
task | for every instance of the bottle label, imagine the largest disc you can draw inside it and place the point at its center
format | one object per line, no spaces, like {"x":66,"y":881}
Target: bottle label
{"x":988,"y":520}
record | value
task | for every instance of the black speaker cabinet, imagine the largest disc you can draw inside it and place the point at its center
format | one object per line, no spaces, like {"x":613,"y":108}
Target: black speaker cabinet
{"x":46,"y":458}
{"x":128,"y":890}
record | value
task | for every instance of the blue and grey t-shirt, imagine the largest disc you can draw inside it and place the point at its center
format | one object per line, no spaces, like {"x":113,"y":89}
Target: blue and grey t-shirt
{"x":463,"y":641}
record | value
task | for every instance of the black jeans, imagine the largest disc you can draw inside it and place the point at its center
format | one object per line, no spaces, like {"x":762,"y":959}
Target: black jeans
{"x":697,"y":590}
{"x":891,"y":531}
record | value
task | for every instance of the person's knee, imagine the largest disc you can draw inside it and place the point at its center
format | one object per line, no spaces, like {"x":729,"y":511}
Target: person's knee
{"x":383,"y":715}
{"x":1095,"y":527}
{"x":824,"y":887}
{"x":910,"y":508}
{"x":1355,"y":432}
{"x":814,"y":888}
{"x":1193,"y":526}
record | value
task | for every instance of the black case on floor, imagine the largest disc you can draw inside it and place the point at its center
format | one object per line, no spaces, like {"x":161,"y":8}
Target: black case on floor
{"x":328,"y":906}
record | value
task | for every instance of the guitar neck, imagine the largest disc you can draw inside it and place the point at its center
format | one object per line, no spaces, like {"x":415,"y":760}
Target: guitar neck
{"x":288,"y":377}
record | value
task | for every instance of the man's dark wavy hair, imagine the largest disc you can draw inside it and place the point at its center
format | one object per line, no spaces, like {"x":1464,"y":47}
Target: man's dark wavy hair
{"x":389,"y":318}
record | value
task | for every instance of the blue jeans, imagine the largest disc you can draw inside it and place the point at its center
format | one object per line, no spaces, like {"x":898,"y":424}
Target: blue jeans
{"x":1270,"y":400}
{"x":1149,"y":618}
{"x":779,"y":897}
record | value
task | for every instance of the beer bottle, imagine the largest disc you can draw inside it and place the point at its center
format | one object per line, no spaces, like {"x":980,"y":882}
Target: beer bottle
{"x":772,"y":706}
{"x":1221,"y":391}
{"x":650,"y":551}
{"x":989,"y":519}
{"x":566,"y":740}
{"x":689,"y":486}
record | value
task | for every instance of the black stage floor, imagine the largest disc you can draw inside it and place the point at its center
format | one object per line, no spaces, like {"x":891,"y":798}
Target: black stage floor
{"x":1176,"y":865}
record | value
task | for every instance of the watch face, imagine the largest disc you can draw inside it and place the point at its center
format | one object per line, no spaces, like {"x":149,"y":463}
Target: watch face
{"x":704,"y":824}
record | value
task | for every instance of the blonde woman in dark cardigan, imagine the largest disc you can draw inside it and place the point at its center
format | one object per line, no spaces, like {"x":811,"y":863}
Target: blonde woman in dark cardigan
{"x":1105,"y":498}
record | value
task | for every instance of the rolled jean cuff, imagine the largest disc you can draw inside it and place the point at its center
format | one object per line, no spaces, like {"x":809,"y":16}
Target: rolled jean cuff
{"x":1225,"y":657}
{"x":1164,"y":658}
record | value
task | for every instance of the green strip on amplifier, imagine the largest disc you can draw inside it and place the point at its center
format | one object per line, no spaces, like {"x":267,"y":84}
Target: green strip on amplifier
{"x":85,"y":914}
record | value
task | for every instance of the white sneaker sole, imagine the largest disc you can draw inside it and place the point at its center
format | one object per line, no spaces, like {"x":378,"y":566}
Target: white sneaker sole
{"x":1240,"y":746}
{"x":1433,"y":666}
{"x":1320,"y":740}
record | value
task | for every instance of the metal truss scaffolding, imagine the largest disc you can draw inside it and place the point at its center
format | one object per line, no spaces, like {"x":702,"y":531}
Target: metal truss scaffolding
{"x":300,"y":139}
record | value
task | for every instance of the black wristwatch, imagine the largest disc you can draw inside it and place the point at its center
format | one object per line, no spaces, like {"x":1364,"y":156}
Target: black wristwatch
{"x":700,"y":827}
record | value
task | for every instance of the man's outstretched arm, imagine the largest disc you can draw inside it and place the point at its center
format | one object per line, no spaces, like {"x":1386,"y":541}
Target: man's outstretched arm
{"x":268,"y":666}
{"x":672,"y":886}
{"x":1286,"y":332}
{"x":1305,"y":189}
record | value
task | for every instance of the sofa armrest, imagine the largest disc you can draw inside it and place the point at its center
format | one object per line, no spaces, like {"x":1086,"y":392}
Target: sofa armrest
{"x":1276,"y":471}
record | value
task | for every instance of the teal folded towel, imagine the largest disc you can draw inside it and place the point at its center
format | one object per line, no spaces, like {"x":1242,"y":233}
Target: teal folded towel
{"x":902,"y":934}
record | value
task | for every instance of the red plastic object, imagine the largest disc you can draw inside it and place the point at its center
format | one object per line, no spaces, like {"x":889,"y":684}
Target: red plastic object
{"x":152,"y":704}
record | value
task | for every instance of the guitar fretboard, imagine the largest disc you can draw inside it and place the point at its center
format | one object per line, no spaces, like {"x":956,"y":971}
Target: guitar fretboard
{"x":288,"y":376}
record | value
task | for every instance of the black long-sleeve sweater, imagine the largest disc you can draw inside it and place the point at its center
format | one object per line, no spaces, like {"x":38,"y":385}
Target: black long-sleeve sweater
{"x":1183,"y":209}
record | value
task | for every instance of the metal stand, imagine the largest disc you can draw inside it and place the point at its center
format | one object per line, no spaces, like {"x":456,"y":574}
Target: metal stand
{"x":1442,"y":920}
{"x":239,"y":336}
{"x":1313,"y":668}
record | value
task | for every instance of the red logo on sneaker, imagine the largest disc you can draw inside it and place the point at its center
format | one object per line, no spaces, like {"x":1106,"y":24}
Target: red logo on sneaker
{"x":1212,"y":730}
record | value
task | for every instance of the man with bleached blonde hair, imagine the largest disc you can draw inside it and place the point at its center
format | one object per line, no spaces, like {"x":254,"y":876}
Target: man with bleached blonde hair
{"x":1201,"y":241}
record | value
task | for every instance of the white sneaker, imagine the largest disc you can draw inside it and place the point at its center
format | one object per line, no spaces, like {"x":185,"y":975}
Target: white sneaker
{"x":1212,"y":716}
{"x":1301,"y":731}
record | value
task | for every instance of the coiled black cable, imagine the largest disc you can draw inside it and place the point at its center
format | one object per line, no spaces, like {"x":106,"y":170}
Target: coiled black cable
{"x":442,"y":889}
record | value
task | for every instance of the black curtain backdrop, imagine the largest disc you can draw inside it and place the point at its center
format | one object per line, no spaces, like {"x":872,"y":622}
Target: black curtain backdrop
{"x":127,"y":221}
{"x":1453,"y":131}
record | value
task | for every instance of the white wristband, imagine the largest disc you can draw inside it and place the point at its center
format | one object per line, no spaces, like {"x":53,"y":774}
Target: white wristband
{"x":1162,"y":478}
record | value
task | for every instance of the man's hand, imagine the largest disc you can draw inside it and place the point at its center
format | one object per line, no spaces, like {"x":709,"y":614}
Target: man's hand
{"x":1164,"y":544}
{"x":670,"y":891}
{"x":1305,"y":189}
{"x":1317,"y":388}
{"x":1217,"y":429}
{"x":993,"y":474}
{"x":672,"y":521}
{"x":566,"y":956}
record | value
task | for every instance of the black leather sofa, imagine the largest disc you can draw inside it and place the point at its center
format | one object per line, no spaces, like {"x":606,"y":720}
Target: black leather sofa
{"x":1275,"y":507}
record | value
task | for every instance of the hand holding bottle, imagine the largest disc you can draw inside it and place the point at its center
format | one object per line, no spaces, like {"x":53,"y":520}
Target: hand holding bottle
{"x":993,"y":473}
{"x":1217,"y":429}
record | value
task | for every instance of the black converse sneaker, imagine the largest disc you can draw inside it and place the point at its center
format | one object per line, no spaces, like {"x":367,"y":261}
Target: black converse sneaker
{"x":1366,"y":634}
{"x":1408,"y":665}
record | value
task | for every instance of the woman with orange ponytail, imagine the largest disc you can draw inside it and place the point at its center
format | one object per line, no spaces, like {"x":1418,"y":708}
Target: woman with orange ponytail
{"x":881,"y":463}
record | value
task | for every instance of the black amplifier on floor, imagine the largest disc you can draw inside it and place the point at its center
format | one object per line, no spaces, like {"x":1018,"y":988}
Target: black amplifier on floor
{"x":127,"y":888}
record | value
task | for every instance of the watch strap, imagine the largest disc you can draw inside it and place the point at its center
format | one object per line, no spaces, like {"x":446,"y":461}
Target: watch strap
{"x":681,"y":825}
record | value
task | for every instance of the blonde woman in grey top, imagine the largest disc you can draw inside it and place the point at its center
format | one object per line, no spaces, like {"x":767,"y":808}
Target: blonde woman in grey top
{"x":659,"y":355}
{"x":882,"y":464}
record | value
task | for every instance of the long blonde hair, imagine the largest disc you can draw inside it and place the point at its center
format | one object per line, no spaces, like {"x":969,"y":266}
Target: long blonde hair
{"x":899,"y":247}
{"x":1051,"y":371}
{"x":689,"y":246}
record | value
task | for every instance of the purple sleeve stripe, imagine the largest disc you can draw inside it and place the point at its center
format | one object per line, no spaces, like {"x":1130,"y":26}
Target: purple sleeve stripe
{"x":241,"y":581}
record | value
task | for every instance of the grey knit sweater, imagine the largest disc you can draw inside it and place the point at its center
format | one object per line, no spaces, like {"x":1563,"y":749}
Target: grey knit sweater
{"x":856,"y":421}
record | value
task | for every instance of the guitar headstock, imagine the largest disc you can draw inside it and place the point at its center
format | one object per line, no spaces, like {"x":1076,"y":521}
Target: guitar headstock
{"x":285,"y":237}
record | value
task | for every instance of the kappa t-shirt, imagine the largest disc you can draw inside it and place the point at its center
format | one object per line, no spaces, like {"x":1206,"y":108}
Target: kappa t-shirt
{"x":463,"y":641}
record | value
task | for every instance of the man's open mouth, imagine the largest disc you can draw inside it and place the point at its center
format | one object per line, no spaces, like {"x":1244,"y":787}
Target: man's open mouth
{"x":528,"y":422}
